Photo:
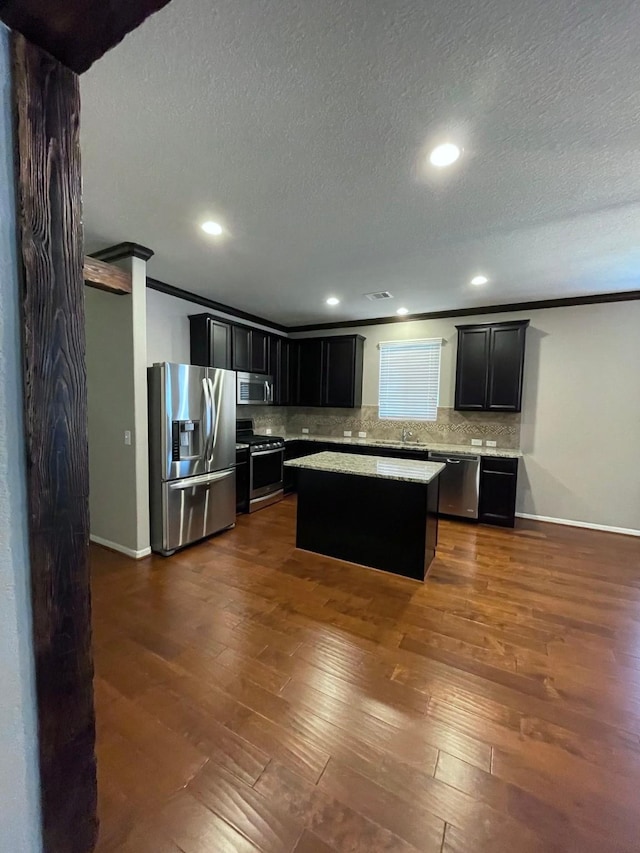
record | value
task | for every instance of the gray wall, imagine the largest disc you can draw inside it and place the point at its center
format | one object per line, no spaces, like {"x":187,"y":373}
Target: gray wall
{"x":168,"y":326}
{"x":117,"y":390}
{"x":19,"y":783}
{"x":112,"y":482}
{"x":581,"y":408}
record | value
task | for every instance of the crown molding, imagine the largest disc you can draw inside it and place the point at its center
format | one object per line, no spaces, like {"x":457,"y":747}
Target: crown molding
{"x":179,"y":293}
{"x":123,"y":250}
{"x":504,"y":308}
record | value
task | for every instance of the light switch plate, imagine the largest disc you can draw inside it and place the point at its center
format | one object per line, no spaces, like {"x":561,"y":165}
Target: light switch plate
{"x":492,"y":443}
{"x":305,"y":430}
{"x":477,"y":442}
{"x":127,"y":437}
{"x":267,"y":431}
{"x":362,"y":435}
{"x":347,"y":433}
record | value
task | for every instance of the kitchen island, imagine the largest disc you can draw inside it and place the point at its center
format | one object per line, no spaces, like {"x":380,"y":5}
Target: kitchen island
{"x":377,"y":511}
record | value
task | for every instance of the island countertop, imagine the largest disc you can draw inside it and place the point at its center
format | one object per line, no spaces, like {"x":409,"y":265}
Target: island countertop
{"x":381,"y":467}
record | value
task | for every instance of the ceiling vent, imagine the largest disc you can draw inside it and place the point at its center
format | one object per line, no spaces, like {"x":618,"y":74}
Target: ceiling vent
{"x":381,"y":294}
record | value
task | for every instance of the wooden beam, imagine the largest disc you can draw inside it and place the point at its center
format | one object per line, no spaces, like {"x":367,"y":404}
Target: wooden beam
{"x":77,"y":32}
{"x":105,"y":276}
{"x":47,"y":107}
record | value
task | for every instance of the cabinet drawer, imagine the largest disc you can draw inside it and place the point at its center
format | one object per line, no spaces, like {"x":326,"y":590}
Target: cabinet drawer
{"x":498,"y":481}
{"x":499,"y":464}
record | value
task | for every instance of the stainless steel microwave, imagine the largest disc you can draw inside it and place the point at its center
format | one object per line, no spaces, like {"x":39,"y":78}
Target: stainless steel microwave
{"x":255,"y":389}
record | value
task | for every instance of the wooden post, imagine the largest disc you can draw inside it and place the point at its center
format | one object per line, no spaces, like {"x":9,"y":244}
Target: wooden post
{"x":50,"y":231}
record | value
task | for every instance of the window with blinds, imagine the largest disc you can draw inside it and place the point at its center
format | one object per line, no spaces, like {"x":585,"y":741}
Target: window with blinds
{"x":410,"y":379}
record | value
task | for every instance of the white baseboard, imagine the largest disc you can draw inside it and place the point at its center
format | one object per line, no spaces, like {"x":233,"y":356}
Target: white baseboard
{"x":605,"y":528}
{"x":137,"y":555}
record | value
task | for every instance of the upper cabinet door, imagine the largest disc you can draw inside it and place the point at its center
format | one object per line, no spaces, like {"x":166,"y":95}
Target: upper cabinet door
{"x":343,"y":357}
{"x":310,"y":370}
{"x":210,"y":341}
{"x":259,"y":342}
{"x":279,"y":368}
{"x":471,"y":367}
{"x":241,"y":348}
{"x":490,"y":367}
{"x":506,"y":365}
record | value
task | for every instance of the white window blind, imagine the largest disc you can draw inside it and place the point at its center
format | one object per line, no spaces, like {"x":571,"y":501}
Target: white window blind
{"x":410,"y":379}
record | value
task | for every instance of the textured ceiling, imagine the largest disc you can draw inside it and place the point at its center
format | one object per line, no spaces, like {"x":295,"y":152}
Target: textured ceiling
{"x":303,"y":124}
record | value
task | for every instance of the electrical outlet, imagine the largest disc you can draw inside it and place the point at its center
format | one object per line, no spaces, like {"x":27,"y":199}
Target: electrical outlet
{"x":477,"y":442}
{"x":362,"y":435}
{"x":267,"y":431}
{"x":347,"y":433}
{"x":305,"y":430}
{"x":127,"y":436}
{"x":492,"y":443}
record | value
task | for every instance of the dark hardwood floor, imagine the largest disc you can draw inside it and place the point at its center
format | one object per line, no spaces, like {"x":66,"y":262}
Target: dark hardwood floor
{"x":254,"y":697}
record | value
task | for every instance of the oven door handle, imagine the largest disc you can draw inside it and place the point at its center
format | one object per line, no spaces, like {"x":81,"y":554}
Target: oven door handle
{"x":267,"y":452}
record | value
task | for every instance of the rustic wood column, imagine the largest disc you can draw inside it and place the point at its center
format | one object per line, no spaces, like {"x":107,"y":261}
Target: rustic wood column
{"x":50,"y":232}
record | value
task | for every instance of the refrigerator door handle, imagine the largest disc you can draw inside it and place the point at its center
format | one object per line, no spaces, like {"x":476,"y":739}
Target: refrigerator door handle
{"x":215,"y":406}
{"x":204,"y":480}
{"x":208,"y":419}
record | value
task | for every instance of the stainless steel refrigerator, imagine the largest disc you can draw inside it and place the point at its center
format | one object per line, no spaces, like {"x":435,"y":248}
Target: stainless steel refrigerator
{"x":192,"y":452}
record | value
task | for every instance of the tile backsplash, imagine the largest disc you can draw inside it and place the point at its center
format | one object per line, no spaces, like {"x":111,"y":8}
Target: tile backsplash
{"x":451,"y":427}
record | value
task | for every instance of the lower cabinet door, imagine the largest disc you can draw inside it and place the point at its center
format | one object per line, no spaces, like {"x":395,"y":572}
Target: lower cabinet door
{"x":195,"y":507}
{"x":498,"y":482}
{"x":242,"y":487}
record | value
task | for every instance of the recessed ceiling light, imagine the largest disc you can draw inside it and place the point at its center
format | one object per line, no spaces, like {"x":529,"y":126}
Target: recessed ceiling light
{"x":333,"y":300}
{"x":444,"y":155}
{"x":402,"y":311}
{"x":479,"y":279}
{"x":213,"y":228}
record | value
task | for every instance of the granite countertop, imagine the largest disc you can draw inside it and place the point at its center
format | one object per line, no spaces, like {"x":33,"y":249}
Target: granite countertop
{"x":410,"y":445}
{"x":240,"y":446}
{"x":384,"y":468}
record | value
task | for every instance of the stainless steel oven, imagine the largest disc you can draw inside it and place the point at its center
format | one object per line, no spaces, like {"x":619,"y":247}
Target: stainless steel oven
{"x":254,"y":389}
{"x":266,"y":458}
{"x":265,"y":474}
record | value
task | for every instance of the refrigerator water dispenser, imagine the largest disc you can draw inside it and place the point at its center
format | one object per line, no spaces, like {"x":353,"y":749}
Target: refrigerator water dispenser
{"x":185,"y":440}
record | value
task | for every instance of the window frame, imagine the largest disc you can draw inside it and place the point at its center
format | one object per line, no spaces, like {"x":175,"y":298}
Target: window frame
{"x":408,"y":414}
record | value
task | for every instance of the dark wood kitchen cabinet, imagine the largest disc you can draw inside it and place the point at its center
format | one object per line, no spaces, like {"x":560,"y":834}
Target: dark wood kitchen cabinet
{"x":258,"y":351}
{"x":215,"y":343}
{"x":210,"y":341}
{"x":498,"y":482}
{"x":343,"y":357}
{"x":242,"y":480}
{"x":280,"y":367}
{"x":490,"y":366}
{"x":330,"y":371}
{"x":241,"y":348}
{"x":310,"y":372}
{"x":249,"y":349}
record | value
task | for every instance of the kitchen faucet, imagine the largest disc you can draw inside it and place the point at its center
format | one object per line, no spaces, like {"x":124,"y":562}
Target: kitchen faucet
{"x":406,"y":434}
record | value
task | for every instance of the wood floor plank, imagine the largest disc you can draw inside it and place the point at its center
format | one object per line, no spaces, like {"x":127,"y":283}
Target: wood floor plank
{"x":258,"y":818}
{"x":411,"y":821}
{"x":310,"y":843}
{"x":330,"y":819}
{"x":251,"y":697}
{"x":199,"y":727}
{"x":544,"y":819}
{"x":196,"y":829}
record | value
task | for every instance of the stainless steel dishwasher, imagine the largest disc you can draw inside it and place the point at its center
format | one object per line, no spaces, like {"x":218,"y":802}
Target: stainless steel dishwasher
{"x":459,"y":484}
